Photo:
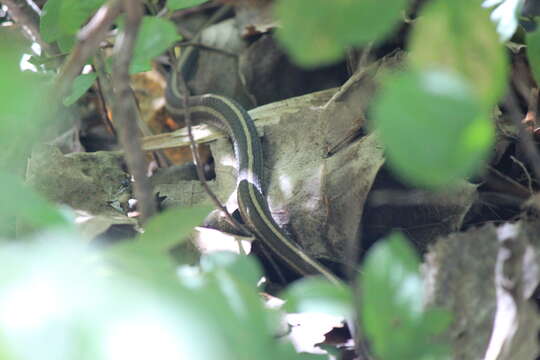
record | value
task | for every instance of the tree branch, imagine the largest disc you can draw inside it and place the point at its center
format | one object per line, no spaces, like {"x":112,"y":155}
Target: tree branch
{"x":26,"y":13}
{"x":125,"y":109}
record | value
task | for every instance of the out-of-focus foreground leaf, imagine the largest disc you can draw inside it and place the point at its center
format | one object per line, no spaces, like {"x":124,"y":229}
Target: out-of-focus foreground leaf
{"x":317,"y":32}
{"x":62,"y":19}
{"x":457,"y":36}
{"x":434,"y":131}
{"x":60,"y":301}
{"x":392,"y":296}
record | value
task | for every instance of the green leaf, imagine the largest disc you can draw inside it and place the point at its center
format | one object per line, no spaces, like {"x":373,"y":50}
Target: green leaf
{"x":247,"y":324}
{"x":183,"y":4}
{"x":457,"y":36}
{"x":24,"y":102}
{"x":170,"y":227}
{"x":155,"y":36}
{"x":433,"y":129}
{"x":80,"y":85}
{"x":506,"y":16}
{"x":317,"y":32}
{"x":533,"y":53}
{"x":63,"y":18}
{"x":241,"y":267}
{"x":30,"y":208}
{"x":392,"y":298}
{"x":66,"y":43}
{"x":58,"y":292}
{"x":318,"y":295}
{"x":147,"y":256}
{"x":90,"y":311}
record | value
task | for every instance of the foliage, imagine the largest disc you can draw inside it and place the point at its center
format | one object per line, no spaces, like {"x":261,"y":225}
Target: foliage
{"x":79,"y":87}
{"x":440,"y":110}
{"x":457,"y":74}
{"x":89,"y":308}
{"x":129,"y":301}
{"x":318,"y":31}
{"x":392,"y":304}
{"x":62,"y":19}
{"x":155,"y":36}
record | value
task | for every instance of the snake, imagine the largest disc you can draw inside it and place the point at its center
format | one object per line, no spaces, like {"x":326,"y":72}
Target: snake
{"x":229,"y":116}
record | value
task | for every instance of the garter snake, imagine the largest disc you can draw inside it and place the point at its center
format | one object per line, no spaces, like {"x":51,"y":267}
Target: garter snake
{"x":226,"y":114}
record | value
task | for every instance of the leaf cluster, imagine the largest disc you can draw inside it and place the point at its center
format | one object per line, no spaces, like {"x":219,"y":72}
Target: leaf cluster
{"x":131,"y":302}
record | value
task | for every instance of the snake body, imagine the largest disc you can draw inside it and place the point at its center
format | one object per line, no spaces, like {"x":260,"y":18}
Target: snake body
{"x":226,"y":114}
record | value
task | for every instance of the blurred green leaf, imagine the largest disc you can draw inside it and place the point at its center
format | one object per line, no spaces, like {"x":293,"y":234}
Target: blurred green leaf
{"x":505,"y":15}
{"x":392,"y":298}
{"x":66,"y":43}
{"x":317,"y":32}
{"x":182,"y":4}
{"x":25,"y":108}
{"x":63,"y":18}
{"x":147,"y":256}
{"x":457,"y":36}
{"x":240,"y":267}
{"x":318,"y":295}
{"x":533,"y":53}
{"x":433,"y":129}
{"x":170,"y":227}
{"x":155,"y":36}
{"x":249,"y":326}
{"x":4,"y":353}
{"x":27,"y":206}
{"x":55,"y":290}
{"x":228,"y":282}
{"x":80,"y":85}
{"x":56,"y":304}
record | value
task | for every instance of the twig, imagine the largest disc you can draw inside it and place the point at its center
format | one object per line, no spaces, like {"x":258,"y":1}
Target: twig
{"x":27,"y":13}
{"x":125,"y":111}
{"x":89,"y":38}
{"x":526,"y":173}
{"x":105,"y":92}
{"x":193,"y":145}
{"x":353,"y":80}
{"x":197,"y":160}
{"x":355,"y":62}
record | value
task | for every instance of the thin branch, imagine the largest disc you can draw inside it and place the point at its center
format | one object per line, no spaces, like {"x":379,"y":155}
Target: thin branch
{"x":193,"y":145}
{"x":525,"y":172}
{"x":195,"y":154}
{"x":102,"y":108}
{"x":89,"y":38}
{"x":197,"y":160}
{"x":26,"y":13}
{"x":104,"y":91}
{"x":125,"y":111}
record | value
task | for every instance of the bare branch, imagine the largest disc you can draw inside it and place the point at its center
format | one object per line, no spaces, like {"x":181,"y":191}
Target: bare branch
{"x":89,"y":38}
{"x":125,"y":109}
{"x":26,"y":13}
